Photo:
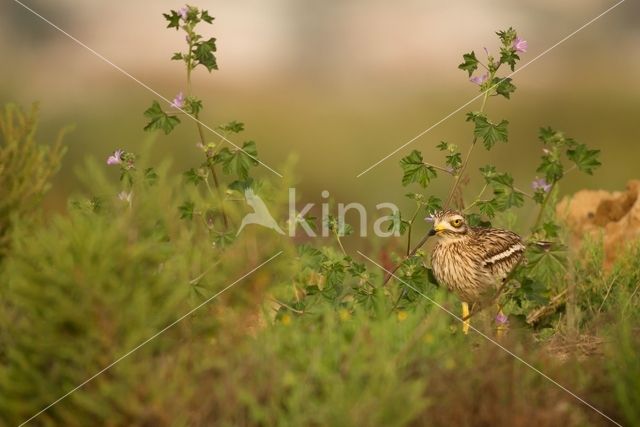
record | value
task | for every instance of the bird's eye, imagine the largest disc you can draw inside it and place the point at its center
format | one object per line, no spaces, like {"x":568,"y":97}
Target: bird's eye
{"x":456,"y":222}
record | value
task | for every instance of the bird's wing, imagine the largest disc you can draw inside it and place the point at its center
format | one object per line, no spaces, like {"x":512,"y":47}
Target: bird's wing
{"x":500,"y":249}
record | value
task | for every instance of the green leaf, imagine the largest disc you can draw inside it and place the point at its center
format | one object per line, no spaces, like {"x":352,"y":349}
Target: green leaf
{"x":186,"y":210}
{"x":470,"y":63}
{"x":241,"y":185}
{"x":194,"y":105}
{"x":505,"y":196}
{"x":539,"y":195}
{"x":503,"y":86}
{"x":551,"y":230}
{"x":586,"y":160}
{"x":547,"y":134}
{"x":433,"y":205}
{"x":334,"y":272}
{"x":551,"y":167}
{"x":203,"y":53}
{"x":357,"y":269}
{"x":177,"y":56}
{"x":489,"y":132}
{"x":507,"y":36}
{"x":150,"y":176}
{"x":488,"y":172}
{"x":309,"y":256}
{"x":204,"y":15}
{"x":417,"y":197}
{"x":159,"y":120}
{"x":476,"y":220}
{"x":193,"y":176}
{"x":224,"y":239}
{"x":397,"y":223}
{"x":509,"y":56}
{"x":416,"y":171}
{"x":443,"y":146}
{"x":546,"y":265}
{"x":238,"y":161}
{"x":487,"y":208}
{"x":173,"y":18}
{"x":555,"y":138}
{"x":232,"y":127}
{"x":454,"y":160}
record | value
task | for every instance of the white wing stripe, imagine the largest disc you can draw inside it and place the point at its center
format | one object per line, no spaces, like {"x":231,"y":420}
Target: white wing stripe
{"x":506,"y":254}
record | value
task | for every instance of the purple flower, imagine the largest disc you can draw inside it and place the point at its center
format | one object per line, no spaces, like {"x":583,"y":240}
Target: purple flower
{"x":520,"y":45}
{"x":541,"y":184}
{"x":115,"y":158}
{"x":178,"y":101}
{"x":430,"y":218}
{"x":183,"y":12}
{"x":502,"y":319}
{"x":479,"y":79}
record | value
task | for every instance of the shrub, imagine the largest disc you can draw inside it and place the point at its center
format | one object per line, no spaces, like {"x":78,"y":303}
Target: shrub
{"x":26,"y":168}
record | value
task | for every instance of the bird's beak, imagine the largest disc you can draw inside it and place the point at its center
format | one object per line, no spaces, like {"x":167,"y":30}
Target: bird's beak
{"x":436,"y":229}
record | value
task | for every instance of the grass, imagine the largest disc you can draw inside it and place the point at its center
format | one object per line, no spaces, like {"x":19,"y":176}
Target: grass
{"x":81,"y":289}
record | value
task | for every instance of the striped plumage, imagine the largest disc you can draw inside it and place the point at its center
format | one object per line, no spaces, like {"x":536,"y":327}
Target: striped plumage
{"x":472,"y":261}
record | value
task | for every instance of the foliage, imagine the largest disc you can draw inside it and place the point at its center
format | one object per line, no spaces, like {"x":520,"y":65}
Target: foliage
{"x":546,"y":263}
{"x":26,"y":167}
{"x":318,"y":338}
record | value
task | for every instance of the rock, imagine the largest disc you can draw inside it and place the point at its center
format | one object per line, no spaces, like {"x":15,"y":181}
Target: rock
{"x":615,"y":215}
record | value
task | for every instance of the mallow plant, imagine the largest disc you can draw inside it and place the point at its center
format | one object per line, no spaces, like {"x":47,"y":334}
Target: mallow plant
{"x":224,"y":172}
{"x":324,"y":273}
{"x":328,"y":274}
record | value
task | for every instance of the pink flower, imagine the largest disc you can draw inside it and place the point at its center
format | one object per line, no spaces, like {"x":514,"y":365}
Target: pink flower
{"x":502,"y":319}
{"x":115,"y":158}
{"x":178,"y":101}
{"x":183,"y":12}
{"x":541,"y":184}
{"x":479,"y":79}
{"x":520,"y":45}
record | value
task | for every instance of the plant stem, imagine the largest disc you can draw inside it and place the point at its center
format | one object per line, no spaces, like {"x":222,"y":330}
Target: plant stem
{"x":288,"y":307}
{"x":216,"y":183}
{"x":458,"y":176}
{"x":484,"y":188}
{"x":524,"y":193}
{"x":463,"y":168}
{"x":340,"y":243}
{"x":440,"y":168}
{"x":413,"y":218}
{"x":543,"y":207}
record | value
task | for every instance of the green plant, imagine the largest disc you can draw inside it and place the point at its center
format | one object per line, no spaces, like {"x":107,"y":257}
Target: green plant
{"x":315,"y":339}
{"x":235,"y":161}
{"x":26,"y":168}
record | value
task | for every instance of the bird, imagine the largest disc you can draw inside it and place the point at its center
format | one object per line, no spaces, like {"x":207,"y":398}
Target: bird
{"x":472,"y":261}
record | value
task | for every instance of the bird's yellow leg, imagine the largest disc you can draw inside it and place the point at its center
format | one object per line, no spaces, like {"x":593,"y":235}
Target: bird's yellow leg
{"x":465,"y":313}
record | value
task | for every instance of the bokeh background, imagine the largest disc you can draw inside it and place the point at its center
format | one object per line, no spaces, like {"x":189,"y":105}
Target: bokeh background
{"x":337,"y":84}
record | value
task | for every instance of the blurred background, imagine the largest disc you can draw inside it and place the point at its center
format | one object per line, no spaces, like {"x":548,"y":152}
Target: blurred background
{"x":337,"y":84}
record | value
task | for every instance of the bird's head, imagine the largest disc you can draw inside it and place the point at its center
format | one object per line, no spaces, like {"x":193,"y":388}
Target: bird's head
{"x":449,"y":224}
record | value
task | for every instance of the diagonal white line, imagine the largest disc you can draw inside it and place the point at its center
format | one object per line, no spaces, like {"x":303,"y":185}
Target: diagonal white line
{"x":441,"y":307}
{"x":549,"y":49}
{"x":147,"y":87}
{"x":190,"y":312}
